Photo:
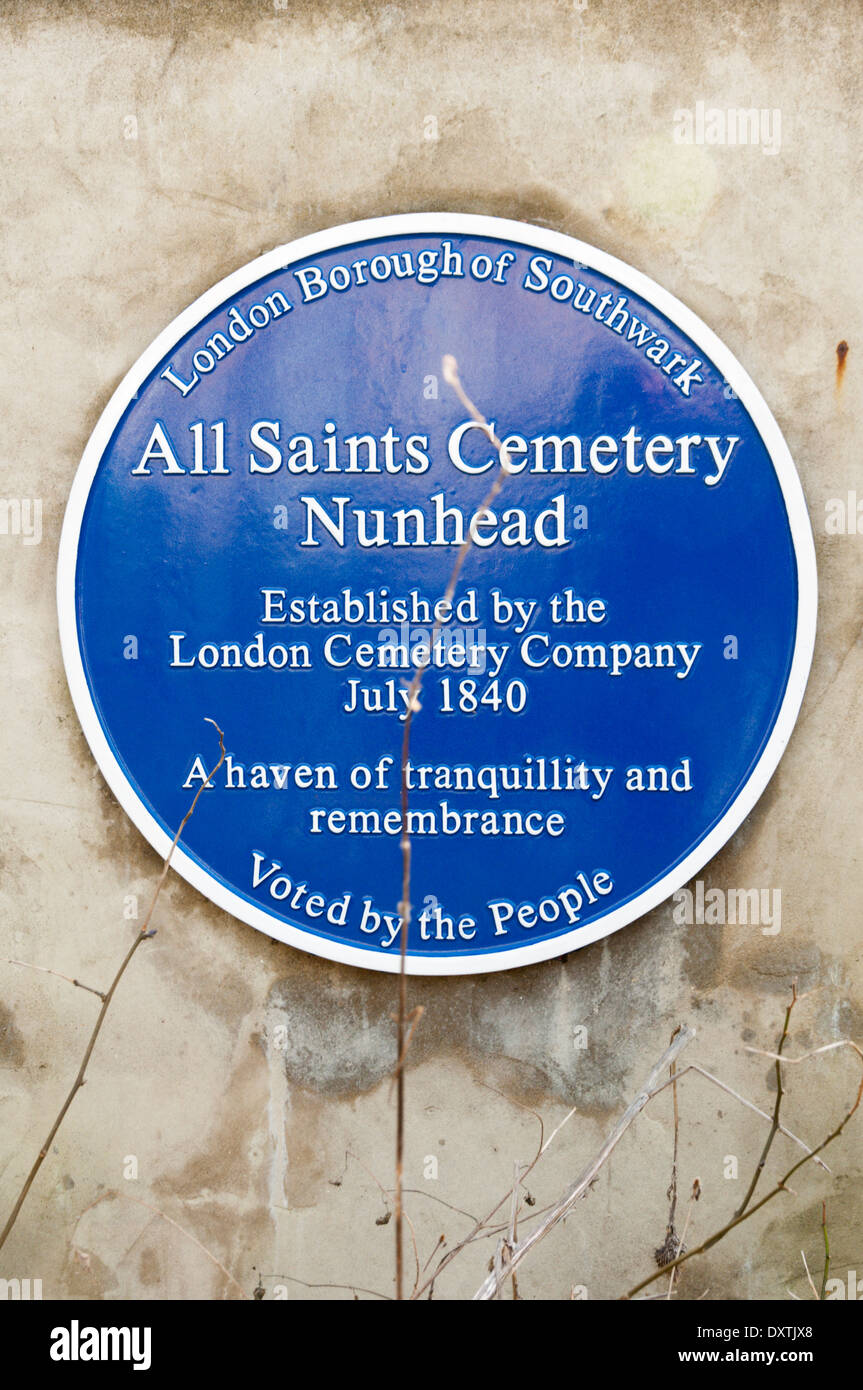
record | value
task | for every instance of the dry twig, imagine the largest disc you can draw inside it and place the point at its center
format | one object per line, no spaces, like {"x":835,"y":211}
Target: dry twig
{"x":451,"y":376}
{"x":28,"y":965}
{"x":694,"y":1196}
{"x":482,"y":1229}
{"x":163,"y":1216}
{"x":823,"y":1293}
{"x":671,"y":1246}
{"x":143,"y":935}
{"x":782,"y":1184}
{"x":774,"y":1127}
{"x":684,"y":1036}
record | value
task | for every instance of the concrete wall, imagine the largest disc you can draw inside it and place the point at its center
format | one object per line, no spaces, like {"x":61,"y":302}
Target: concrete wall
{"x":148,"y":150}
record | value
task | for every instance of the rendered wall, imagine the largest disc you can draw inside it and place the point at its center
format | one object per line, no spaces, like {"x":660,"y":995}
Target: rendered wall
{"x":148,"y":150}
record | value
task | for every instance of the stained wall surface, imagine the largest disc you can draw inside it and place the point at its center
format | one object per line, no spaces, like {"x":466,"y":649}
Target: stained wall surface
{"x":238,"y":1099}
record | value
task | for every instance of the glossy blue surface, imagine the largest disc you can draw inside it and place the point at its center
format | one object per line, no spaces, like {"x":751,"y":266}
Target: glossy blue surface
{"x":674,"y":560}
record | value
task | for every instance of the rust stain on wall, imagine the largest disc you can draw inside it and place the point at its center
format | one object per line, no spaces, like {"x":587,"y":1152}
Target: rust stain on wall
{"x":841,"y":358}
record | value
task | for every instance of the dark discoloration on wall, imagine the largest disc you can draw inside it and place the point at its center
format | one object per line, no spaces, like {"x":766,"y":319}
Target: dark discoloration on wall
{"x":87,"y":1276}
{"x":220,"y":982}
{"x":225,"y":1162}
{"x":515,"y":1030}
{"x":224,"y":1180}
{"x":12,"y":1052}
{"x":148,"y":1268}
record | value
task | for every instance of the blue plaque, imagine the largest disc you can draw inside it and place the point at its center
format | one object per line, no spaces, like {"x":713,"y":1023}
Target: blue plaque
{"x":262,"y":529}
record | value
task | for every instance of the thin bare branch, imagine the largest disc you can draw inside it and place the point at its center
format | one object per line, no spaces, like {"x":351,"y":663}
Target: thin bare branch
{"x":432,"y":1197}
{"x":774,"y":1126}
{"x":451,"y":376}
{"x":694,"y":1196}
{"x":412,"y":1230}
{"x":671,"y":1245}
{"x":163,"y":1216}
{"x":808,"y":1276}
{"x":413,"y":1019}
{"x":28,"y":965}
{"x":350,"y":1288}
{"x":568,"y":1116}
{"x":807,"y":1056}
{"x":512,"y":1233}
{"x":441,"y":1240}
{"x":781,"y":1186}
{"x":143,"y":935}
{"x":729,"y":1090}
{"x":383,"y":1191}
{"x":480,"y":1230}
{"x":489,"y":1285}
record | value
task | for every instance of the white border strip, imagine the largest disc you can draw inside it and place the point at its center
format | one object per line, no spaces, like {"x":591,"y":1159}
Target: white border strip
{"x":457,"y":224}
